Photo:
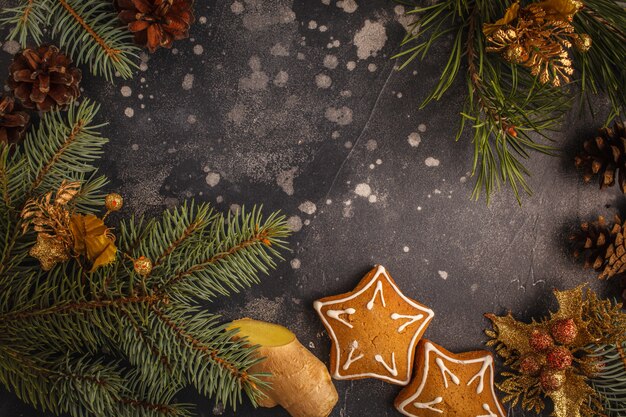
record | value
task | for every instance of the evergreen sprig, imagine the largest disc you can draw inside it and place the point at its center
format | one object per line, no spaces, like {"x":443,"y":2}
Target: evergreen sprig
{"x":88,"y":30}
{"x":610,"y":378}
{"x":113,"y":342}
{"x":510,"y":112}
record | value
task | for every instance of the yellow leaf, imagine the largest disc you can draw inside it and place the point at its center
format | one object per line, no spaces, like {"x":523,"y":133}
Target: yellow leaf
{"x":512,"y":333}
{"x":560,"y":9}
{"x":93,"y":240}
{"x":571,"y":305}
{"x":569,"y":399}
{"x":509,"y":16}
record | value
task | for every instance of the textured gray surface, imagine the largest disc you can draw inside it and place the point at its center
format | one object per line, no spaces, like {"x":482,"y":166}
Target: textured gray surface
{"x":296,"y":105}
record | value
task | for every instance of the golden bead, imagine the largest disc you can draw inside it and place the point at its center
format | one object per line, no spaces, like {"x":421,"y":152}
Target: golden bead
{"x":142,"y":266}
{"x":113,"y":202}
{"x":516,"y":54}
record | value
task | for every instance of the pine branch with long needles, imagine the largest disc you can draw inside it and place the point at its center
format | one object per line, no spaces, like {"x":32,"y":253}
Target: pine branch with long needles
{"x":511,"y":110}
{"x":88,"y":30}
{"x":117,"y":342}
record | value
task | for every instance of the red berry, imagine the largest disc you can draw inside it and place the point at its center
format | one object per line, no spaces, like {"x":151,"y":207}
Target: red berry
{"x":559,"y":358}
{"x":529,"y":365}
{"x":564,"y":331}
{"x":540,"y":340}
{"x":551,"y":380}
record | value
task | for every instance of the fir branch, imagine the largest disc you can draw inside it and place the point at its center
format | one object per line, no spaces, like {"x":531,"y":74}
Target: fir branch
{"x":26,"y":21}
{"x":609,"y":380}
{"x":90,"y":32}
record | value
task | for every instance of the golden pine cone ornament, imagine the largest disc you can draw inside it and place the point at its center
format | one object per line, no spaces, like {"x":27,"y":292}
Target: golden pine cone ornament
{"x":43,"y":78}
{"x":605,"y":155}
{"x":13,"y":121}
{"x":591,"y":242}
{"x":156,"y":23}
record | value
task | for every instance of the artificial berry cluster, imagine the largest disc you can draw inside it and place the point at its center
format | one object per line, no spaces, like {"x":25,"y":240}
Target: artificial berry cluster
{"x":552,"y":355}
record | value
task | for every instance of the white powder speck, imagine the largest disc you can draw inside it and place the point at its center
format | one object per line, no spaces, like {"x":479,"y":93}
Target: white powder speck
{"x":463,"y":180}
{"x":342,"y":116}
{"x":191,"y":119}
{"x":379,"y":161}
{"x":421,"y":127}
{"x":419,"y":208}
{"x":363,"y":190}
{"x":372,"y":67}
{"x":399,"y":95}
{"x":405,"y":249}
{"x":134,"y":147}
{"x":213,"y":178}
{"x":331,"y":61}
{"x":235,"y":208}
{"x":335,"y":135}
{"x":143,"y":66}
{"x":307,"y":207}
{"x":372,"y":198}
{"x":237,"y":7}
{"x":414,"y":139}
{"x":301,"y":56}
{"x":351,"y":65}
{"x":348,"y":211}
{"x":329,"y":201}
{"x":372,"y":166}
{"x":399,"y":10}
{"x":436,"y":191}
{"x":188,"y":82}
{"x":347,"y":145}
{"x":307,"y":222}
{"x":323,"y":28}
{"x":11,"y":47}
{"x":294,"y":223}
{"x":126,"y":91}
{"x":279,"y":50}
{"x":281,"y":79}
{"x":219,"y":199}
{"x":371,"y":145}
{"x":443,"y":274}
{"x":174,"y":51}
{"x":326,"y":2}
{"x":370,"y":39}
{"x":431,"y":162}
{"x":348,"y":6}
{"x":295,"y":263}
{"x":198,"y":49}
{"x":474,"y":287}
{"x":202,"y":20}
{"x":312,"y":24}
{"x":323,"y":81}
{"x":129,"y":112}
{"x":285,"y":180}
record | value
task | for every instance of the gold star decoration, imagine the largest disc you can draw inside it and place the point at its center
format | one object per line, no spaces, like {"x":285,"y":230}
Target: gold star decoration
{"x":549,"y":358}
{"x":449,"y":384}
{"x":374,"y":329}
{"x":49,"y":251}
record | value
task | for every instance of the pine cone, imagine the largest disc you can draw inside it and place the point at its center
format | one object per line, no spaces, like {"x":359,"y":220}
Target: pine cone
{"x":591,"y":243}
{"x":616,"y":253}
{"x":605,"y":155}
{"x":13,"y":121}
{"x":43,"y":78}
{"x":156,"y":23}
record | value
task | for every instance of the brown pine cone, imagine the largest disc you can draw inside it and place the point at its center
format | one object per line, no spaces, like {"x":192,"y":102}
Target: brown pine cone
{"x":13,"y":121}
{"x":605,"y":155}
{"x":616,"y":253}
{"x":591,"y":242}
{"x":43,"y":78}
{"x":156,"y":23}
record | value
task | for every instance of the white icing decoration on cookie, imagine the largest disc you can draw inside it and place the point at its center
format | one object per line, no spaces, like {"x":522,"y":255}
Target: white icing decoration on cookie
{"x":444,"y":370}
{"x":481,"y":376}
{"x":379,"y":289}
{"x":353,"y":346}
{"x":428,"y":349}
{"x":334,"y":314}
{"x":412,"y":319}
{"x":336,"y":372}
{"x":429,"y":405}
{"x":487,"y":409}
{"x":392,"y":369}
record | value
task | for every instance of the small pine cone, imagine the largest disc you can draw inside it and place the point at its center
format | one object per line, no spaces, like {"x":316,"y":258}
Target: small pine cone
{"x":616,"y":253}
{"x":156,"y":23}
{"x":564,"y":331}
{"x":13,"y":121}
{"x":540,"y":340}
{"x":592,"y":242}
{"x":559,"y":358}
{"x":43,"y":78}
{"x":530,"y":365}
{"x":551,"y":380}
{"x":605,"y":155}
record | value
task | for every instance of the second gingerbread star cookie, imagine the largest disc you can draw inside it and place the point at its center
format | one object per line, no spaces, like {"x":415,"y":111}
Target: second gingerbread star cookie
{"x":374,"y":329}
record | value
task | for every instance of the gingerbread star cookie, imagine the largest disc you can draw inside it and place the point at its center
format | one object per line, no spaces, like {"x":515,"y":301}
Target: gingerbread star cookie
{"x":450,"y":385}
{"x":374,"y":329}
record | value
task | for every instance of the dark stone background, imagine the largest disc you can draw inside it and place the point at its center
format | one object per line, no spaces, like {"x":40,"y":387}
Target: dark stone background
{"x":245,"y":120}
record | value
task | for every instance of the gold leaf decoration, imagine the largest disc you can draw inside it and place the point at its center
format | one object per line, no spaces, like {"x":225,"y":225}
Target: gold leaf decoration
{"x":93,"y":240}
{"x":509,"y":16}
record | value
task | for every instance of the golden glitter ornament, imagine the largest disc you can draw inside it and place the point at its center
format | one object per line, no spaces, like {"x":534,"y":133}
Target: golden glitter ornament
{"x":113,"y":202}
{"x":142,"y":266}
{"x":582,"y":320}
{"x":583,"y":42}
{"x":49,"y":251}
